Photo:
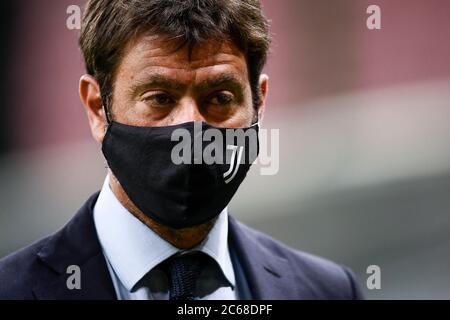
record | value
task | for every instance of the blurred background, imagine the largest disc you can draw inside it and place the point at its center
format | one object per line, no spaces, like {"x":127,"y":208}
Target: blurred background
{"x":364,"y":119}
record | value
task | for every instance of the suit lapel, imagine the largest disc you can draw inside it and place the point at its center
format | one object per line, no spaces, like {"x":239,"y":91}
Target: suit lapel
{"x":76,"y":244}
{"x":268,"y":275}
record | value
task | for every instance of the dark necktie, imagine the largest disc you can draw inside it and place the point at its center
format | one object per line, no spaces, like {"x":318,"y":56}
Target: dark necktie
{"x":184,"y":271}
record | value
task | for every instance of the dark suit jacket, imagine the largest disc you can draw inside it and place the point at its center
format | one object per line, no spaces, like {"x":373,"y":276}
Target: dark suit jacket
{"x":272,"y":270}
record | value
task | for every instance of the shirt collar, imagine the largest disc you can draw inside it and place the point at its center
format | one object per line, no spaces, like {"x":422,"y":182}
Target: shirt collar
{"x":133,"y":249}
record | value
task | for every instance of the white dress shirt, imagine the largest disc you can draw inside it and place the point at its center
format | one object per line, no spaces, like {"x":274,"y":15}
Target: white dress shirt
{"x":132,"y":251}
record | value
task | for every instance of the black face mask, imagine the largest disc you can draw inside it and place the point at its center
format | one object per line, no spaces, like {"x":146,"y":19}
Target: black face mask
{"x":180,"y":178}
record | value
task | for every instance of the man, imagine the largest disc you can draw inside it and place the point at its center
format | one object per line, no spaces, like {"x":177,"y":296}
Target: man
{"x":160,"y":228}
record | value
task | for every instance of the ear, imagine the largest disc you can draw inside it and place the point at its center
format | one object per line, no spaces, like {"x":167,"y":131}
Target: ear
{"x":89,"y":91}
{"x":264,"y":87}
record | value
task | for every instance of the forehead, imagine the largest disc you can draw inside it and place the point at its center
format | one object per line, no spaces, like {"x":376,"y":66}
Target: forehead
{"x":144,"y":55}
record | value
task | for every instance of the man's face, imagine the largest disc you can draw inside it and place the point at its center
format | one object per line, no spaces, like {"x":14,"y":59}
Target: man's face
{"x":156,"y":85}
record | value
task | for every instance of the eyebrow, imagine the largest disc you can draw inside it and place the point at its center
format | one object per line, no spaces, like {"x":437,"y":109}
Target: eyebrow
{"x":161,"y":81}
{"x":227,"y":79}
{"x":156,"y":81}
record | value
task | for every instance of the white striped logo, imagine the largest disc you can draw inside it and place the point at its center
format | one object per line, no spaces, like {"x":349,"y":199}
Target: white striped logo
{"x":234,"y":165}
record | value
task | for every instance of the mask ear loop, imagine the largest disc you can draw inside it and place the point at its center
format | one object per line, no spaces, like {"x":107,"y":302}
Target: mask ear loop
{"x":108,"y":123}
{"x":107,"y":116}
{"x":257,"y":123}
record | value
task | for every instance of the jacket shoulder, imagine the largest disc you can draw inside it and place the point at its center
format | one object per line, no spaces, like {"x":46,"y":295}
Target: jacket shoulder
{"x":44,"y":261}
{"x":19,"y":270}
{"x":319,"y":277}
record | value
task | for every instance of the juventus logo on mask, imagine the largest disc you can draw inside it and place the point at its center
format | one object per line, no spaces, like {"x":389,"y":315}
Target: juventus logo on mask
{"x":234,"y":165}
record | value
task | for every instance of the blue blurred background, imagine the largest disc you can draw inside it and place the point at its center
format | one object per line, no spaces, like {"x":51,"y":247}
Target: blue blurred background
{"x":364,"y":119}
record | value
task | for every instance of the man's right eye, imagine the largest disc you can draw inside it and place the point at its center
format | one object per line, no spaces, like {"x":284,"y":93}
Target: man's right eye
{"x":159,"y":99}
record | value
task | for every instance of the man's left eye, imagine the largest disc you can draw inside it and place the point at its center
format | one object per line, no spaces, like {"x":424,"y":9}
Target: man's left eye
{"x":221,"y":98}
